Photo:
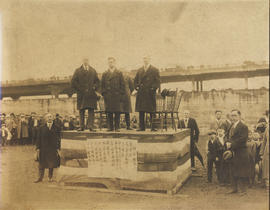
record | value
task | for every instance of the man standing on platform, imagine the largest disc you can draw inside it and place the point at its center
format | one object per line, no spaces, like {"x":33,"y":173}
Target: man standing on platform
{"x":146,"y":82}
{"x":113,"y":90}
{"x":238,"y":136}
{"x":127,"y":109}
{"x":85,"y":82}
{"x":191,"y":123}
{"x":47,"y":147}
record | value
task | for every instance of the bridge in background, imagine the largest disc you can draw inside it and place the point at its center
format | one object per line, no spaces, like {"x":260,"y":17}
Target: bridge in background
{"x":56,"y":86}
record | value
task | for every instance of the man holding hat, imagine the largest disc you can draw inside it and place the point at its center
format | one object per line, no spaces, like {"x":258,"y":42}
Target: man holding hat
{"x":238,"y":136}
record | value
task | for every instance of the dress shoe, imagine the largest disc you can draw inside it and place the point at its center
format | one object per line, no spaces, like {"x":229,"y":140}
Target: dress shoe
{"x":140,"y":129}
{"x":109,"y":130}
{"x":232,"y":192}
{"x":92,"y":130}
{"x":128,"y":128}
{"x":80,"y":129}
{"x":38,"y":180}
{"x":153,"y":129}
{"x":117,"y":130}
{"x":243,"y":193}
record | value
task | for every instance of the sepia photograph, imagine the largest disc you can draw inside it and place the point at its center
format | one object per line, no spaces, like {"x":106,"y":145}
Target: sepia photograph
{"x":134,"y":105}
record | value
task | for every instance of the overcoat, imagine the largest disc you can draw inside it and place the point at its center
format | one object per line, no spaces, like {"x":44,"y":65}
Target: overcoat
{"x":129,"y":87}
{"x":113,"y":90}
{"x":48,"y":142}
{"x":264,"y":152}
{"x":146,"y":83}
{"x":85,"y":83}
{"x":22,"y":129}
{"x":238,"y":139}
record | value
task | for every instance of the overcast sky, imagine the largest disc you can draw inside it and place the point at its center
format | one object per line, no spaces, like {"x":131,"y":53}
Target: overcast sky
{"x":52,"y":37}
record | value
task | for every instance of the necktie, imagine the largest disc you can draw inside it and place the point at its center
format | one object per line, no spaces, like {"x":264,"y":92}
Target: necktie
{"x":186,"y":123}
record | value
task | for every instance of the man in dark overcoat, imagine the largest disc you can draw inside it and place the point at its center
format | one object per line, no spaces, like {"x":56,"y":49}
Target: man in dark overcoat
{"x":48,"y":146}
{"x":126,"y":104}
{"x":113,"y":90}
{"x":238,"y":136}
{"x":85,"y":82}
{"x":191,"y":123}
{"x":146,"y":82}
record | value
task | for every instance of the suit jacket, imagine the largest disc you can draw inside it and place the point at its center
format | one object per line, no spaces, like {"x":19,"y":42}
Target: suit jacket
{"x":238,"y":139}
{"x":217,"y":124}
{"x":194,"y":130}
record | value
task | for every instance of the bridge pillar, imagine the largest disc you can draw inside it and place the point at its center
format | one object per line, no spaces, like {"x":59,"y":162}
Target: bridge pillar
{"x":197,"y":86}
{"x":55,"y":91}
{"x":246,"y":82}
{"x":193,"y":85}
{"x":201,"y":85}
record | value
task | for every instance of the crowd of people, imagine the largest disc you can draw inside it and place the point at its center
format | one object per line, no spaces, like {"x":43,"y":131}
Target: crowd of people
{"x":22,"y":129}
{"x":239,"y":153}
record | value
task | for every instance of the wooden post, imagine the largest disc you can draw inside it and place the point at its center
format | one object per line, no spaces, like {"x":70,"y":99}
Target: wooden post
{"x":201,"y":85}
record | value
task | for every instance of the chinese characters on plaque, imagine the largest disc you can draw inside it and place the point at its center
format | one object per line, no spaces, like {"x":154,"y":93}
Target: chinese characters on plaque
{"x":112,"y":158}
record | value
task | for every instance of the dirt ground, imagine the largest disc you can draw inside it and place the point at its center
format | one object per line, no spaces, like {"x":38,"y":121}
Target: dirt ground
{"x":18,"y":171}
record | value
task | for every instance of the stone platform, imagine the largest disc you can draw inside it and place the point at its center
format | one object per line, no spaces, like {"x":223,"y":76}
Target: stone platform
{"x":163,"y":159}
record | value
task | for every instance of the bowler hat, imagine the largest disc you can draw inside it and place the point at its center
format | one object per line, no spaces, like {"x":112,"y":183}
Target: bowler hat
{"x":227,"y":155}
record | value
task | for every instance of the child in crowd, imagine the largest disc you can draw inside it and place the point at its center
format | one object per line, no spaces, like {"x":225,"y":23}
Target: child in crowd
{"x":5,"y":134}
{"x":214,"y":149}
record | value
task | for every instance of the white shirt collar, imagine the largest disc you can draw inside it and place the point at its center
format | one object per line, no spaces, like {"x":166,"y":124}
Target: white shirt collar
{"x":146,"y":67}
{"x":236,"y":123}
{"x":112,"y":69}
{"x":85,"y":67}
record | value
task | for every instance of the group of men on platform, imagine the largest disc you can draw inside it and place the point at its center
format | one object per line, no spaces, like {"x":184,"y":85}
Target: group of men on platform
{"x":116,"y":90}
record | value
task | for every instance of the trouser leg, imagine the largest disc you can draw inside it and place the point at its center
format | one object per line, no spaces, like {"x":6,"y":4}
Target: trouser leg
{"x":41,"y":173}
{"x":110,"y":120}
{"x":235,"y":183}
{"x":50,"y":173}
{"x":91,"y":118}
{"x":192,"y":154}
{"x":117,"y":120}
{"x":127,"y":119}
{"x":243,"y":184}
{"x":141,"y":120}
{"x":82,"y":111}
{"x":209,"y":169}
{"x":152,"y":118}
{"x":198,"y":154}
{"x":217,"y":166}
